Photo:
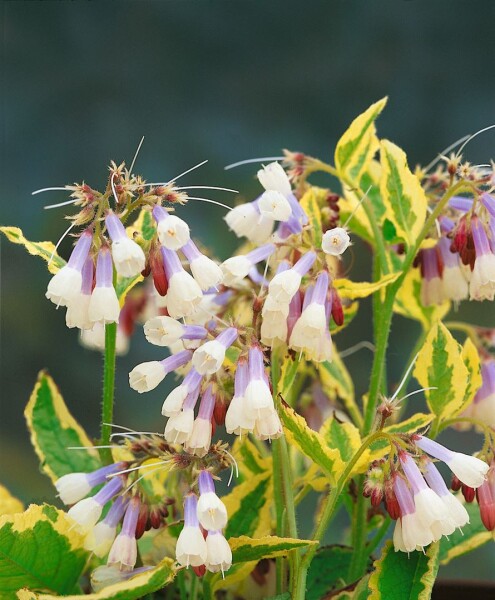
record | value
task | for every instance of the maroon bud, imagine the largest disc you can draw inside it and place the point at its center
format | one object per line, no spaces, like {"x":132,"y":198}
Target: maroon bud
{"x":455,"y":484}
{"x":220,"y":410}
{"x":487,"y":505}
{"x":156,"y":518}
{"x":147,"y":270}
{"x":213,"y":425}
{"x":163,"y":510}
{"x":158,"y":271}
{"x":376,"y":497}
{"x":200,"y":571}
{"x":142,"y":520}
{"x":337,"y":310}
{"x":468,"y":492}
{"x":392,"y":504}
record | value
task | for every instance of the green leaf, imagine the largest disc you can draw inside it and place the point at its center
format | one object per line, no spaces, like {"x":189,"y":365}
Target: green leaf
{"x":46,"y":250}
{"x":249,"y":458}
{"x":328,"y":571}
{"x":310,"y":204}
{"x":471,"y":359}
{"x":9,"y":505}
{"x":124,"y":285}
{"x":346,"y":439}
{"x":245,"y":549}
{"x":336,"y":381}
{"x":248,"y":507}
{"x":408,"y":300}
{"x":411,"y":425}
{"x":287,"y":376}
{"x":473,"y":535}
{"x":357,"y":146}
{"x":403,"y":196}
{"x":401,"y":576}
{"x":132,"y":589}
{"x":440,"y":365}
{"x":53,"y":430}
{"x":40,"y":549}
{"x":311,"y":443}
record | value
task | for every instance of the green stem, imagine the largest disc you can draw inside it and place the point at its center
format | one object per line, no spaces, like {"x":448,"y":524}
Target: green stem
{"x":299,"y":584}
{"x":279,"y":513}
{"x":108,"y":390}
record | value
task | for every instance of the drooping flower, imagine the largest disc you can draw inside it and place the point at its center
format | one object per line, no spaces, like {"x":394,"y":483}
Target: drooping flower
{"x":469,"y":469}
{"x":66,"y":283}
{"x":104,"y":305}
{"x":483,"y":405}
{"x":454,"y":282}
{"x":208,"y":358}
{"x":236,"y":420}
{"x":454,"y":508}
{"x":246,"y":220}
{"x":284,"y":285}
{"x":258,"y":397}
{"x":87,"y":512}
{"x":124,"y":549}
{"x":75,"y":486}
{"x":175,"y":400}
{"x":211,"y":511}
{"x":274,"y":205}
{"x":191,"y":549}
{"x":100,"y":539}
{"x":128,"y":257}
{"x":410,"y":534}
{"x":183,"y":294}
{"x":205,"y":271}
{"x":482,"y":284}
{"x":200,"y":439}
{"x":235,"y":269}
{"x":173,"y":232}
{"x":219,"y":554}
{"x":165,"y":331}
{"x":146,"y":376}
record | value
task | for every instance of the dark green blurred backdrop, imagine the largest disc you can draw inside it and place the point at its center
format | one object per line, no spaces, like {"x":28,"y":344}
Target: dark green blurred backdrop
{"x":223,"y":80}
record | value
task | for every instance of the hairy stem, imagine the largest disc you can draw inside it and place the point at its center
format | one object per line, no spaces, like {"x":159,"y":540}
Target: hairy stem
{"x":108,"y":390}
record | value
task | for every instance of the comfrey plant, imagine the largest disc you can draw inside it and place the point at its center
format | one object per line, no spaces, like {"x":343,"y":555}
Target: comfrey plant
{"x":258,"y":386}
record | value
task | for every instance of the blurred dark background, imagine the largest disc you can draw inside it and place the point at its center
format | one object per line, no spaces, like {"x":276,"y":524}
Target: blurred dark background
{"x":222,"y":80}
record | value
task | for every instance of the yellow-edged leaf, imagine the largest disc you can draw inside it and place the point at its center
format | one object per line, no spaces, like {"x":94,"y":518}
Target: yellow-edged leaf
{"x":248,"y":507}
{"x":403,"y":196}
{"x":46,"y":250}
{"x":440,"y":366}
{"x":310,"y":203}
{"x":408,"y":302}
{"x":245,"y":548}
{"x":362,"y":289}
{"x":336,"y":380}
{"x":249,"y":459}
{"x":346,"y":439}
{"x":415,"y":423}
{"x":471,"y":360}
{"x":357,"y":146}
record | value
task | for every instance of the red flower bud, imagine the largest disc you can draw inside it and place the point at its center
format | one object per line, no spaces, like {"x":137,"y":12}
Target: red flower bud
{"x":200,"y":571}
{"x":337,"y":310}
{"x":468,"y":492}
{"x":142,"y":520}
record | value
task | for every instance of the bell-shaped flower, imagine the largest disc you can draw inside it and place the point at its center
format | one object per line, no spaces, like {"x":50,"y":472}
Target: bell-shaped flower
{"x":236,"y":419}
{"x":235,"y":269}
{"x":311,"y":331}
{"x":179,"y":427}
{"x":87,"y":512}
{"x":219,"y":554}
{"x":335,"y":241}
{"x":268,"y":425}
{"x":209,"y":357}
{"x":128,"y":257}
{"x":211,"y":511}
{"x":175,"y":400}
{"x":200,"y":439}
{"x":124,"y":549}
{"x":432,"y":289}
{"x":413,"y":534}
{"x":454,"y":283}
{"x":482,"y":284}
{"x":66,"y":283}
{"x":184,"y":293}
{"x":104,"y":305}
{"x":284,"y":285}
{"x":77,"y":314}
{"x":246,"y":220}
{"x":274,"y":205}
{"x":468,"y":469}
{"x":258,"y":397}
{"x":75,"y":486}
{"x":148,"y":375}
{"x":191,"y":549}
{"x":165,"y":331}
{"x":205,"y":271}
{"x":454,"y":508}
{"x":273,"y":177}
{"x":100,"y":539}
{"x":483,"y":406}
{"x":173,"y":232}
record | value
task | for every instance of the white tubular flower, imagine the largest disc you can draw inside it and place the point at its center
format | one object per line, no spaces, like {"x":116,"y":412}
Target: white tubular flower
{"x":274,"y":205}
{"x":94,"y":339}
{"x":285,"y":284}
{"x":468,"y":469}
{"x":335,"y":241}
{"x":124,"y":548}
{"x":211,"y":511}
{"x":454,"y":509}
{"x":75,"y":486}
{"x":104,"y":305}
{"x":173,"y":232}
{"x":398,"y":540}
{"x":236,"y":419}
{"x":236,"y":268}
{"x":191,"y":549}
{"x":86,"y":512}
{"x":483,"y":406}
{"x":66,"y":283}
{"x":209,"y":357}
{"x":146,"y":376}
{"x":455,"y":285}
{"x":219,"y":554}
{"x":100,"y":539}
{"x":174,"y":402}
{"x":268,"y":426}
{"x":273,"y":328}
{"x":184,"y":293}
{"x":128,"y":257}
{"x":179,"y":427}
{"x":414,"y":534}
{"x":273,"y":309}
{"x":259,"y":401}
{"x":205,"y":271}
{"x":246,"y":220}
{"x":273,"y":177}
{"x":77,"y":314}
{"x":163,"y":331}
{"x":482,"y":284}
{"x":200,"y":438}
